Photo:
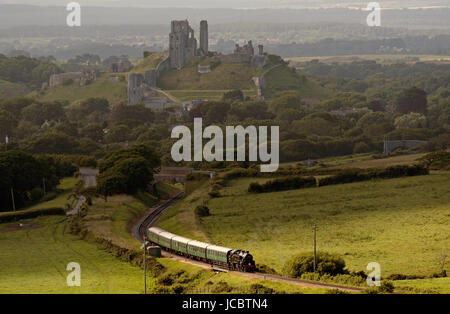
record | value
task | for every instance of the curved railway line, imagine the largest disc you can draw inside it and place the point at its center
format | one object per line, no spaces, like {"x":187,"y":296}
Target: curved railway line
{"x":140,"y":228}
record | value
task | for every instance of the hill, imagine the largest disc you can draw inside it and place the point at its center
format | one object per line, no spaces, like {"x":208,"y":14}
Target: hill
{"x":105,"y":87}
{"x":8,"y":89}
{"x":148,"y":63}
{"x":225,"y":76}
{"x":286,"y":78}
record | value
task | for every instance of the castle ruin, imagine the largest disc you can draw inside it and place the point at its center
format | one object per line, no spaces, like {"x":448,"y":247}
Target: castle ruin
{"x":182,"y":48}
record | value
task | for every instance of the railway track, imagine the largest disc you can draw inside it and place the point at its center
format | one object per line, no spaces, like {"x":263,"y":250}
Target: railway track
{"x":139,"y":230}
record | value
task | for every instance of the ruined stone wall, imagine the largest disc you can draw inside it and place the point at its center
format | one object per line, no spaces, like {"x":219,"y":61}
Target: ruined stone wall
{"x":182,"y":44}
{"x":81,"y":77}
{"x":204,"y":38}
{"x":136,"y":89}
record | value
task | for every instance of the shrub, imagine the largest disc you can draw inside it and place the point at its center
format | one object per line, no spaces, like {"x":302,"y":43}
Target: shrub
{"x":67,"y":82}
{"x":36,"y":194}
{"x":178,"y":289}
{"x":257,"y":288}
{"x":284,"y":184}
{"x":327,"y":263}
{"x":25,"y":214}
{"x":221,"y":287}
{"x":356,"y":175}
{"x":385,"y":287}
{"x":202,"y":211}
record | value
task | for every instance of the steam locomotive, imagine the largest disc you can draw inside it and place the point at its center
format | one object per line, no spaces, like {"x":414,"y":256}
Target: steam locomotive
{"x":215,"y":255}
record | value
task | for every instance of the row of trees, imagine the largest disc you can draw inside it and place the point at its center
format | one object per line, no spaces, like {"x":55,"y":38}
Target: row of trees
{"x":28,"y":176}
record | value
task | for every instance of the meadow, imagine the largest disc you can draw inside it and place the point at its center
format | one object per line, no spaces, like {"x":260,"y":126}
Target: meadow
{"x":225,"y":76}
{"x":103,"y":87}
{"x":34,"y":260}
{"x":211,"y":95}
{"x":403,"y":224}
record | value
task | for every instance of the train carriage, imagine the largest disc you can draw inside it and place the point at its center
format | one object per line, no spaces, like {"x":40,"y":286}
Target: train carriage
{"x":153,"y":234}
{"x":213,"y":254}
{"x":217,"y":253}
{"x":180,"y":244}
{"x":197,"y":248}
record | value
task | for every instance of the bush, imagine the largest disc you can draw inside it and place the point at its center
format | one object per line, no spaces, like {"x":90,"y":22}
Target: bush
{"x":327,"y":263}
{"x":221,"y":287}
{"x":202,"y":211}
{"x":284,"y":184}
{"x":36,"y":194}
{"x":25,"y":214}
{"x":356,"y":175}
{"x":67,"y":82}
{"x":385,"y":287}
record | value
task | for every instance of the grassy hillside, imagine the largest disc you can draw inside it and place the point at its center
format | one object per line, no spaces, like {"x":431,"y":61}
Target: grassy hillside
{"x":35,"y":261}
{"x":392,"y":222}
{"x":226,"y":76}
{"x":286,"y":78}
{"x":185,"y":95}
{"x":151,"y":62}
{"x":8,"y":89}
{"x":114,"y":91}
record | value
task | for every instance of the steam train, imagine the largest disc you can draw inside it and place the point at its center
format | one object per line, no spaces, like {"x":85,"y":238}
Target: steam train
{"x":215,"y":255}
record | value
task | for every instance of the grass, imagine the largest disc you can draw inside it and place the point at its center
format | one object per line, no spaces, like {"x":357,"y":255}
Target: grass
{"x":364,"y":161}
{"x":385,"y":59}
{"x":151,"y":62}
{"x":400,"y":223}
{"x":112,"y":219}
{"x":214,"y":95}
{"x":115,"y":92}
{"x":9,"y":89}
{"x":434,"y":285}
{"x":285,"y":78}
{"x":226,"y":76}
{"x":35,"y":261}
{"x":180,"y":219}
{"x":204,"y":281}
{"x":66,"y":185}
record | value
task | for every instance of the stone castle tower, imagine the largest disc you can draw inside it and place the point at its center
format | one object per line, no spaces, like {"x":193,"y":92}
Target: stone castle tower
{"x":182,"y":44}
{"x":204,"y":38}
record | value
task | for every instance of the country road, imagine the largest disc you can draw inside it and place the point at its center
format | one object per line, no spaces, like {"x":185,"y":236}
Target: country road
{"x":89,"y":176}
{"x":152,"y":217}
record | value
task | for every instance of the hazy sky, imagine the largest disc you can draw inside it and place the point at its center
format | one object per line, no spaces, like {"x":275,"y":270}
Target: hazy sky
{"x":234,"y":3}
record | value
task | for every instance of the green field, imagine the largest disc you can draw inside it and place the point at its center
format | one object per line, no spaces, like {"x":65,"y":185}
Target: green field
{"x":284,"y":78}
{"x":403,"y":224}
{"x":8,"y":89}
{"x":115,"y":92}
{"x":214,"y":95}
{"x":386,"y":59}
{"x":35,"y":261}
{"x":226,"y":76}
{"x":151,"y":62}
{"x":66,"y":186}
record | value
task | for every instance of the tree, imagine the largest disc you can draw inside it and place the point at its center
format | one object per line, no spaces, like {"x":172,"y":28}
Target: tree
{"x":122,"y":112}
{"x":7,"y":124}
{"x":52,"y":142}
{"x":412,"y":100}
{"x":234,"y":95}
{"x":127,"y":170}
{"x":38,"y":113}
{"x":412,"y":120}
{"x":117,"y":133}
{"x":287,"y":99}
